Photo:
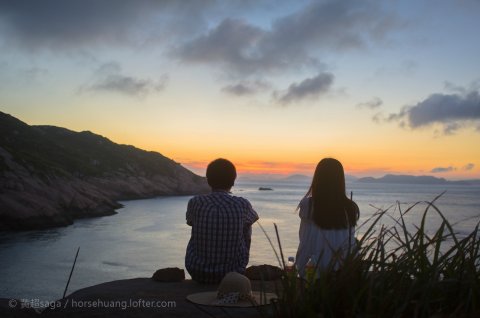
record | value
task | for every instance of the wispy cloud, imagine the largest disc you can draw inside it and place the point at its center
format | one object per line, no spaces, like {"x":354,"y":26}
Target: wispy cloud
{"x":473,"y":86}
{"x":442,"y":169}
{"x":246,"y":88}
{"x":269,"y":167}
{"x":109,"y":78}
{"x":467,"y":167}
{"x":307,"y":89}
{"x":374,"y":103}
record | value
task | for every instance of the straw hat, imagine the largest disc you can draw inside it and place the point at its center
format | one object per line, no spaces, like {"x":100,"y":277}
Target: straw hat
{"x":235,"y":290}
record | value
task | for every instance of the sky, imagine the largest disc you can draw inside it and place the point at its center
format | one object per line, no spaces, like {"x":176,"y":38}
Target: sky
{"x":274,"y":86}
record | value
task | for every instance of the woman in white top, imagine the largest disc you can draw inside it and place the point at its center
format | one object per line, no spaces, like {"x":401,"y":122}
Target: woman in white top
{"x":328,"y":218}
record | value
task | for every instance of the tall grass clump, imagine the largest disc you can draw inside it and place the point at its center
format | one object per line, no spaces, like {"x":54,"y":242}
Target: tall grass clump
{"x":393,"y":271}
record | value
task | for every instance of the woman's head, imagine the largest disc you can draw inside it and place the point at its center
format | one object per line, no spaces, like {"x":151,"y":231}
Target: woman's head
{"x":331,"y":207}
{"x":329,"y":178}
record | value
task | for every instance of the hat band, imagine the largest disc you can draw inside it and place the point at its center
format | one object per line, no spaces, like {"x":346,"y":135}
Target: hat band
{"x":232,"y":297}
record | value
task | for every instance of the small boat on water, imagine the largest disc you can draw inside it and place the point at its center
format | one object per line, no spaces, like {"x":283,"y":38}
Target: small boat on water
{"x":265,"y":189}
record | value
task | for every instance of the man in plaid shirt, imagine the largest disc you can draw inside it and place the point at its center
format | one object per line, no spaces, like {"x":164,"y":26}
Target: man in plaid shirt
{"x":221,"y":227}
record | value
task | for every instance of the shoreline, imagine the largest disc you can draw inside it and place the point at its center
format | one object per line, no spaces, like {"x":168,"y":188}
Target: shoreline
{"x":42,"y":222}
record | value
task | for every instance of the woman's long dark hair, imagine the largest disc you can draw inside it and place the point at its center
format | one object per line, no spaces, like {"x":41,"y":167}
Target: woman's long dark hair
{"x":331,"y":207}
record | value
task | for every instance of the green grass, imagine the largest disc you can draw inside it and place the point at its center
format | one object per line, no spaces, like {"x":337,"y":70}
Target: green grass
{"x":394,"y":272}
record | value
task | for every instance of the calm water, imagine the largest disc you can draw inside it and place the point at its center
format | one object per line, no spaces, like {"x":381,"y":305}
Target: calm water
{"x":149,"y":234}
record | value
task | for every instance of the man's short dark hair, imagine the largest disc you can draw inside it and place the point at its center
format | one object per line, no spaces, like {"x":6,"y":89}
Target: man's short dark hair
{"x":221,"y":174}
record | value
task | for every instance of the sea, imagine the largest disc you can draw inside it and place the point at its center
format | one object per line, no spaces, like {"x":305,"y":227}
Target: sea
{"x":149,"y":234}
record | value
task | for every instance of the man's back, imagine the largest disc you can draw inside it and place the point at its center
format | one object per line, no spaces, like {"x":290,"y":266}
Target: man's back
{"x":221,"y":234}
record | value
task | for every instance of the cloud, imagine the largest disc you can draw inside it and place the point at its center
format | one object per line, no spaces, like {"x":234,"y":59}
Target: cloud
{"x":371,"y":104}
{"x":233,"y":43}
{"x":467,"y":167}
{"x":451,"y":111}
{"x":473,"y":86}
{"x":378,"y":117}
{"x":204,"y":32}
{"x":108,"y":78}
{"x":246,"y":88}
{"x":59,"y":24}
{"x":450,"y":128}
{"x":292,"y":41}
{"x":259,"y":167}
{"x":308,"y":88}
{"x":444,"y":108}
{"x":126,"y":84}
{"x":442,"y":169}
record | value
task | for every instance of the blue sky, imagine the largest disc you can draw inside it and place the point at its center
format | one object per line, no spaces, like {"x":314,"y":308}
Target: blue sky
{"x":385,"y":86}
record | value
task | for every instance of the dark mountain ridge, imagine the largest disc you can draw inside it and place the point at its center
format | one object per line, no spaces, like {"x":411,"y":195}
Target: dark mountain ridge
{"x":50,"y":175}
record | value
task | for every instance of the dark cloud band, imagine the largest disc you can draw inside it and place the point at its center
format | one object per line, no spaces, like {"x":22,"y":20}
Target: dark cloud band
{"x":452,"y":111}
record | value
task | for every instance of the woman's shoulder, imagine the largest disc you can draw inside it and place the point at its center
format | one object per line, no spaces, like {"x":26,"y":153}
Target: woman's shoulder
{"x":305,"y":200}
{"x":304,"y":207}
{"x":354,"y":207}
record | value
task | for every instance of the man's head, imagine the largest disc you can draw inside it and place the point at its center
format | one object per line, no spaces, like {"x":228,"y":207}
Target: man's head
{"x":221,"y":174}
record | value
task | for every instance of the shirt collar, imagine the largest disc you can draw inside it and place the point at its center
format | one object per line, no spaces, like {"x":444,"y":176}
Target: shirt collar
{"x":221,"y":191}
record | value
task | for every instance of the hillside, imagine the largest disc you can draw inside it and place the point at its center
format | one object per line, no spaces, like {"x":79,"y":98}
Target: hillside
{"x":50,"y":175}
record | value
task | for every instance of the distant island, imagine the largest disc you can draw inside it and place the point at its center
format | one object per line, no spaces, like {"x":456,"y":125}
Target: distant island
{"x":388,"y":178}
{"x":297,"y":178}
{"x":50,"y":176}
{"x":408,"y":179}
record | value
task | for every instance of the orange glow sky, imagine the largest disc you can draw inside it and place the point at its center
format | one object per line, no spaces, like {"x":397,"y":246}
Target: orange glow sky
{"x":274,"y":86}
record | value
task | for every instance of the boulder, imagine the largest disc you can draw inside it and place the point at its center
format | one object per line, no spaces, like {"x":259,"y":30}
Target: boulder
{"x":264,"y":272}
{"x":169,"y":274}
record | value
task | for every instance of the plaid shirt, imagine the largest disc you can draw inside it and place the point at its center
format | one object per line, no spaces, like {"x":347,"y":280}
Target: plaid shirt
{"x":221,"y":234}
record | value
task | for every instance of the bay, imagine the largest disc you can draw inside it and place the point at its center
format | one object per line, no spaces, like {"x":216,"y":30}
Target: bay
{"x":149,"y":234}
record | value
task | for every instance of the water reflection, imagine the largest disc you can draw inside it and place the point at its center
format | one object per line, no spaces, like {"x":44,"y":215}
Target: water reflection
{"x":48,"y":235}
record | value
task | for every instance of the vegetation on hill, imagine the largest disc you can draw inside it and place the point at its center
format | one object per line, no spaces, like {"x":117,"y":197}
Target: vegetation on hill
{"x":49,"y":149}
{"x":50,"y":175}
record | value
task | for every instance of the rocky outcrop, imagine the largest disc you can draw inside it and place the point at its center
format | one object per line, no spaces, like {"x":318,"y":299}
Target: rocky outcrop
{"x":144,"y":297}
{"x":50,"y":176}
{"x":264,"y":272}
{"x":141,"y":297}
{"x":169,"y":274}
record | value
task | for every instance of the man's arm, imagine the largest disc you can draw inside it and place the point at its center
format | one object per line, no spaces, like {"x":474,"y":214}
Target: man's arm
{"x":247,"y":234}
{"x":189,"y":215}
{"x":251,"y":215}
{"x":250,"y":218}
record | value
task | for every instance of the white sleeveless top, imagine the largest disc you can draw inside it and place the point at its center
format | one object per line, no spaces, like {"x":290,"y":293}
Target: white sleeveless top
{"x":321,"y":243}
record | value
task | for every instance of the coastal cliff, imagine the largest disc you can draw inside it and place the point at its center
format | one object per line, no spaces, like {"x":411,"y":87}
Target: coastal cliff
{"x":50,"y":176}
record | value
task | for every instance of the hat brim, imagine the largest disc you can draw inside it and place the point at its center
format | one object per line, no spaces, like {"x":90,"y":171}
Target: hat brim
{"x":210,"y":299}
